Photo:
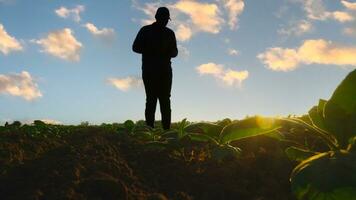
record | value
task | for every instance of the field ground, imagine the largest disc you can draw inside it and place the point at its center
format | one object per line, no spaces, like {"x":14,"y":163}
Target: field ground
{"x":95,"y":162}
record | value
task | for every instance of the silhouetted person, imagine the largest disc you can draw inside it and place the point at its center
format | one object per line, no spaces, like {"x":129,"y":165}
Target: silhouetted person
{"x":158,"y":45}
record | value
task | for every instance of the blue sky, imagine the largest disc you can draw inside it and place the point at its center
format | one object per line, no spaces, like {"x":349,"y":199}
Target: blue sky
{"x":71,"y":61}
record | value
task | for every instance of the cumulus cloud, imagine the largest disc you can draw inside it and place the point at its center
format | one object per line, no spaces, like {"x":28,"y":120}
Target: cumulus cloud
{"x":7,"y":42}
{"x":349,"y":5}
{"x":183,"y":32}
{"x":61,"y":44}
{"x":190,"y":17}
{"x":342,"y":16}
{"x":279,"y":59}
{"x":125,"y":84}
{"x":233,"y":52}
{"x":210,"y":68}
{"x":316,"y":10}
{"x":73,"y":13}
{"x":351,"y":8}
{"x":234,"y":8}
{"x":105,"y":33}
{"x":233,"y":77}
{"x":296,"y":28}
{"x":149,"y":9}
{"x":310,"y":52}
{"x":21,"y":85}
{"x":204,"y":16}
{"x":227,"y":76}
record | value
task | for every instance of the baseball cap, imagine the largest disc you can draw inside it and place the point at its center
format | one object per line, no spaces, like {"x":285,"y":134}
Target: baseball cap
{"x":162,"y":13}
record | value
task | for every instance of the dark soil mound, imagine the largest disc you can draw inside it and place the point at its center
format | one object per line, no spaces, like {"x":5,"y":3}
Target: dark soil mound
{"x":94,"y":163}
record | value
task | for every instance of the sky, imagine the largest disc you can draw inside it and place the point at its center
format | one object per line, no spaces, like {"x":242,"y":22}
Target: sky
{"x":71,"y":61}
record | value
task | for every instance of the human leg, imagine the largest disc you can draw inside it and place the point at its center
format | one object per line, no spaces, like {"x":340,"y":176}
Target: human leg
{"x":151,"y":99}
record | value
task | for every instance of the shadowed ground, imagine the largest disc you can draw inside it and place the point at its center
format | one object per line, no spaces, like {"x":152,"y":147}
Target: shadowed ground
{"x":98,"y":163}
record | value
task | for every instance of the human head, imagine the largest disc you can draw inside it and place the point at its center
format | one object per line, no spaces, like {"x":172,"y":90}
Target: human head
{"x":162,"y":16}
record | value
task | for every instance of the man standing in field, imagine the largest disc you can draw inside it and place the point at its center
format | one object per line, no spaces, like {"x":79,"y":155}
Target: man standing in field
{"x":158,"y":45}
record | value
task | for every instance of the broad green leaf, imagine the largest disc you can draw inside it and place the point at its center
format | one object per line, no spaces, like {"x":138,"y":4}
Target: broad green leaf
{"x":316,"y":115}
{"x":248,"y":128}
{"x":170,"y":134}
{"x":224,"y":122}
{"x":340,"y":110}
{"x":276,"y":135}
{"x":209,"y":129}
{"x":321,"y":106}
{"x":129,"y":125}
{"x":326,"y":137}
{"x":144,"y":135}
{"x":181,"y":126}
{"x":297,"y":154}
{"x":226,"y":151}
{"x":329,"y":175}
{"x":202,"y":138}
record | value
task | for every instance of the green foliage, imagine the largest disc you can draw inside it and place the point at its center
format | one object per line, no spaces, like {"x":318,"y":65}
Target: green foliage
{"x":212,"y":131}
{"x":340,"y":110}
{"x":39,"y":123}
{"x":16,"y":124}
{"x":224,"y":122}
{"x":86,"y":123}
{"x":298,"y":154}
{"x":248,"y":128}
{"x":129,"y":125}
{"x":224,"y":152}
{"x":329,"y":175}
{"x":316,"y":115}
{"x":320,"y":175}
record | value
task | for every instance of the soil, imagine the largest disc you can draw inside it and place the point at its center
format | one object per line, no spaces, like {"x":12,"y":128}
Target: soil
{"x":94,"y":163}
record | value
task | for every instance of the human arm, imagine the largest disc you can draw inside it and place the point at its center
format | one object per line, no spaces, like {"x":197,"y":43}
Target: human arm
{"x":138,"y":44}
{"x":174,"y":49}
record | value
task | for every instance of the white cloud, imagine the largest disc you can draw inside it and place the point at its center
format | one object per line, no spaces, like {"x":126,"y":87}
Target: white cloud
{"x":73,"y":13}
{"x":227,"y":76}
{"x":351,"y":15}
{"x":310,"y":52}
{"x":233,"y":77}
{"x":296,"y":28}
{"x":183,"y":33}
{"x":190,"y":17}
{"x":233,"y":52}
{"x":105,"y":33}
{"x":61,"y":44}
{"x":342,"y":16}
{"x":204,"y":16}
{"x":349,"y":5}
{"x":183,"y":51}
{"x":279,"y":59}
{"x":7,"y":42}
{"x":234,"y":8}
{"x":149,"y":9}
{"x":315,"y":9}
{"x":125,"y":84}
{"x":211,"y":68}
{"x":21,"y":85}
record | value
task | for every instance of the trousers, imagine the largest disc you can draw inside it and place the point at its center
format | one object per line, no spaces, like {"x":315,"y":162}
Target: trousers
{"x":158,"y":85}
